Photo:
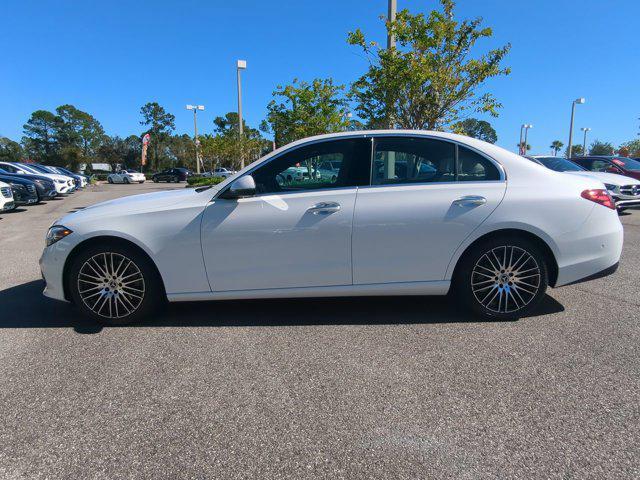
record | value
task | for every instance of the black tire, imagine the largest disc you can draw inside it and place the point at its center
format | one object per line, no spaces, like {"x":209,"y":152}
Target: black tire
{"x":155,"y":180}
{"x":152,"y":296}
{"x":521,"y":285}
{"x":126,"y":180}
{"x":109,"y":180}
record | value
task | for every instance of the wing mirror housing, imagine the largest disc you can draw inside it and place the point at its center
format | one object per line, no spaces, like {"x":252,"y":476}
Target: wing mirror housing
{"x":244,"y":186}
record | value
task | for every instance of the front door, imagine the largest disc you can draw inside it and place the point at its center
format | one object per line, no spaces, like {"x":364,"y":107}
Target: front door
{"x":296,"y":230}
{"x":420,"y":207}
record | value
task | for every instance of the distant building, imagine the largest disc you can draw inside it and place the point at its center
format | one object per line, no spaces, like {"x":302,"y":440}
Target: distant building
{"x":103,"y":167}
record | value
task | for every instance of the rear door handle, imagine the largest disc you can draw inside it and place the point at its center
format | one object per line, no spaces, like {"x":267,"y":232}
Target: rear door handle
{"x":324,"y":208}
{"x":470,"y":201}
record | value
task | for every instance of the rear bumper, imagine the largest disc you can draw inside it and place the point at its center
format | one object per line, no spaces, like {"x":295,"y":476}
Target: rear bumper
{"x":601,"y":274}
{"x":595,"y":247}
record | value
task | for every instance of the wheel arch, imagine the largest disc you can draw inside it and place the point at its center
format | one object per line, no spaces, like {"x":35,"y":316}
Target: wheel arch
{"x":104,"y":239}
{"x":547,"y":251}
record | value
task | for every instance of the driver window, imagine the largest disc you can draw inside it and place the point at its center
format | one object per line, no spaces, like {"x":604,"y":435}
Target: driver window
{"x":331,"y":164}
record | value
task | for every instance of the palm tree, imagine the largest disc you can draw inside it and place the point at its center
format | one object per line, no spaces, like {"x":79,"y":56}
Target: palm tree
{"x":556,"y":146}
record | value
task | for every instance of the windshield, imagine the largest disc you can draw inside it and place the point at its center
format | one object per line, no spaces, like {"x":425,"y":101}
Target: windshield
{"x":29,"y":168}
{"x":628,"y":163}
{"x":560,"y":164}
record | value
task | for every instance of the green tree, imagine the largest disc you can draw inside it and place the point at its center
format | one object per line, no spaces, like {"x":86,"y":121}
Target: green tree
{"x":304,"y":109}
{"x":78,"y":134}
{"x":112,"y":151}
{"x":519,"y":145}
{"x":431,"y":81}
{"x":556,"y":146}
{"x":576,"y":151}
{"x":10,"y":151}
{"x":39,"y":140}
{"x":182,"y":151}
{"x":601,"y":148}
{"x":633,"y":147}
{"x":160,"y":124}
{"x":480,"y":129}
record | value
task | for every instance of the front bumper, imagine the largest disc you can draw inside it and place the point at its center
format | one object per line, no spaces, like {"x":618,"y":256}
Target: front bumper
{"x":8,"y":206}
{"x":621,"y":203}
{"x":51,"y":267}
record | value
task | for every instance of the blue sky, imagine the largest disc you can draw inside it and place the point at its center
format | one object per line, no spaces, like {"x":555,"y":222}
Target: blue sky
{"x":110,"y":57}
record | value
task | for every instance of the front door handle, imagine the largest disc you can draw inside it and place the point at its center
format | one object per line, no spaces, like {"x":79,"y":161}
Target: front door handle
{"x":470,"y":201}
{"x":324,"y":208}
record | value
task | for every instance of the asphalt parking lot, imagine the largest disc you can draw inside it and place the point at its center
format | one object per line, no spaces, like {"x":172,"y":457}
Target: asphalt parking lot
{"x":348,"y":388}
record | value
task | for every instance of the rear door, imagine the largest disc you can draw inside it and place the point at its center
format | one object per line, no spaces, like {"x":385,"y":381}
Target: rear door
{"x":426,"y":196}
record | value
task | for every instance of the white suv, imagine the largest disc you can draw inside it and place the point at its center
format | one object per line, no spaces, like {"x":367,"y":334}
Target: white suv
{"x":6,"y":198}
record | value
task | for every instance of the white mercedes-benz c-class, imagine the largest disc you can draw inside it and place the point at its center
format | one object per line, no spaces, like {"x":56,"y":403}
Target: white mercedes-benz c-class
{"x":407,"y":213}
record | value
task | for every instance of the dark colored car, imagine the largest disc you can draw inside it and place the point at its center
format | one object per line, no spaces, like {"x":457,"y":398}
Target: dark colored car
{"x":610,"y":164}
{"x":77,"y":179}
{"x":172,"y":175}
{"x":24,"y":191}
{"x":45,"y":188}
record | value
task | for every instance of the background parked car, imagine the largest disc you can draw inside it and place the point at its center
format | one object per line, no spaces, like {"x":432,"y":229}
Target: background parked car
{"x":610,"y":164}
{"x":37,"y":168}
{"x":172,"y":175}
{"x":6,"y":198}
{"x":624,"y":190}
{"x":126,"y":176}
{"x":24,"y":190}
{"x":45,"y":187}
{"x":81,"y":180}
{"x":63,"y":184}
{"x":219,"y":172}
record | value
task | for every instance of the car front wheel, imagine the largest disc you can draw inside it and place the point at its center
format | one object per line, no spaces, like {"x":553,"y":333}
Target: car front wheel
{"x":503,"y":279}
{"x":114,"y":284}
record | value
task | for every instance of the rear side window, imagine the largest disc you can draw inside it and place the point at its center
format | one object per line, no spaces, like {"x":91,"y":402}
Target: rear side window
{"x":403,"y":160}
{"x":473,"y":167}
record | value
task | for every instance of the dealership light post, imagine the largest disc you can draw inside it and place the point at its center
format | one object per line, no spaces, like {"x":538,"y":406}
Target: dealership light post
{"x":577,"y":101}
{"x":195,"y":109}
{"x":584,"y":141}
{"x":522,"y":146}
{"x":241,"y":65}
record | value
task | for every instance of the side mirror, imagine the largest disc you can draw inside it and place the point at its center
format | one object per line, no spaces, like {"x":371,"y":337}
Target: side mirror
{"x":244,"y":186}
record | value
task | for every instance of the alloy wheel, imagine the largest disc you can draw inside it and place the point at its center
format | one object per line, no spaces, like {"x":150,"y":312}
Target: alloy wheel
{"x":505,"y":279}
{"x":111,"y":285}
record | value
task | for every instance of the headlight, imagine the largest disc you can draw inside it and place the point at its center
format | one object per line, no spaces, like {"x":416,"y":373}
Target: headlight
{"x":55,"y":233}
{"x":57,"y":180}
{"x":611,"y":188}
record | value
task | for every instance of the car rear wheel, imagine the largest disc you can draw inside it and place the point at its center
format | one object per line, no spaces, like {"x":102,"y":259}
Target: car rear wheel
{"x":502,"y":279}
{"x":109,"y":180}
{"x":126,"y":180}
{"x":114,"y":284}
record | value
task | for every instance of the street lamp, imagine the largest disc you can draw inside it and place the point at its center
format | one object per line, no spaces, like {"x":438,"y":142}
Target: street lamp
{"x":584,"y":142}
{"x":522,"y":147}
{"x":195,"y":109}
{"x":577,"y":101}
{"x":240,"y":65}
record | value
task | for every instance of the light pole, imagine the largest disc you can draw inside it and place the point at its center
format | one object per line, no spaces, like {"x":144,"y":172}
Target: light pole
{"x":526,"y":134}
{"x":522,"y":146}
{"x":584,"y":142}
{"x":391,"y":16}
{"x":241,"y":65}
{"x":195,"y":109}
{"x":577,"y":101}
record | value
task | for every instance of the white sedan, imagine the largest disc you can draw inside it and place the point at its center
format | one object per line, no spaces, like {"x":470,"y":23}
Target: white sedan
{"x":126,"y":176}
{"x":443,"y":212}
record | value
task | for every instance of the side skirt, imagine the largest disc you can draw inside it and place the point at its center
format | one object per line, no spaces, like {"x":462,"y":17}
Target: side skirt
{"x":378,"y":289}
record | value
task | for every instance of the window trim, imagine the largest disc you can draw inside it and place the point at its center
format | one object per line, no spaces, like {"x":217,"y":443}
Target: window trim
{"x":372,"y":137}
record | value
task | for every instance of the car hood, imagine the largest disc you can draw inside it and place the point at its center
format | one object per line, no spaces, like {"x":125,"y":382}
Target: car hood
{"x":143,"y":203}
{"x":611,"y":178}
{"x":18,"y":180}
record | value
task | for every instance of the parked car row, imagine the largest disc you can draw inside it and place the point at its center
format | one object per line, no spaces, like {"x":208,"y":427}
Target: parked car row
{"x":619,"y":175}
{"x":30,"y":183}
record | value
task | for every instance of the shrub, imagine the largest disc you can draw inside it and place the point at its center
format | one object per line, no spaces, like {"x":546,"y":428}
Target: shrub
{"x":202,"y":181}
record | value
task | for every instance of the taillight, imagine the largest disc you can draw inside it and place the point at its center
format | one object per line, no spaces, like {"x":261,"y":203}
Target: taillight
{"x":599,"y":196}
